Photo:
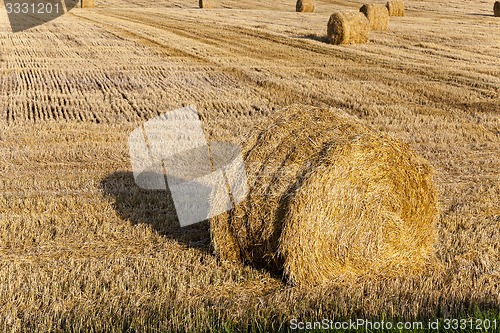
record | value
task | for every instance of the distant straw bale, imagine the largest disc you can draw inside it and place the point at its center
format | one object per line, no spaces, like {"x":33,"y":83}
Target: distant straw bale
{"x":88,"y":4}
{"x":348,"y":27}
{"x":305,"y":6}
{"x":396,"y":8}
{"x":206,"y":4}
{"x":327,"y":197}
{"x":378,"y":15}
{"x":496,"y":8}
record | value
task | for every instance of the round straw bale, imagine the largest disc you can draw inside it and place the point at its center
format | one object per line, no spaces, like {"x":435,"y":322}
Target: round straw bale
{"x":396,"y":7}
{"x":305,"y":6}
{"x":328,"y":196}
{"x":207,"y":3}
{"x":378,"y":15}
{"x":496,"y":8}
{"x":348,"y":27}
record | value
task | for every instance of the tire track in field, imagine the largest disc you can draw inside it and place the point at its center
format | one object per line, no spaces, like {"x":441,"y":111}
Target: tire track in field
{"x":273,"y":45}
{"x":234,"y":38}
{"x":369,"y":75}
{"x":264,"y":47}
{"x":420,"y":53}
{"x":274,"y":91}
{"x":222,"y":40}
{"x":142,"y":39}
{"x":368,"y":66}
{"x":362,"y":58}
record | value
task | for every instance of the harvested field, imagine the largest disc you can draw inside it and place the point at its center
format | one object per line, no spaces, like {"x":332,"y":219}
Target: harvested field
{"x":83,"y":248}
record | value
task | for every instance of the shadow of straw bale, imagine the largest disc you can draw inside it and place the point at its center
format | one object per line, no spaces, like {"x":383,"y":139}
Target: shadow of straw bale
{"x":479,"y":14}
{"x":154,"y":208}
{"x":323,"y":39}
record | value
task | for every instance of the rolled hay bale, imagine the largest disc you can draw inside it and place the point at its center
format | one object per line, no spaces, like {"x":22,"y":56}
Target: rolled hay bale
{"x":377,"y":15}
{"x":348,"y":27}
{"x":496,"y":9}
{"x":327,"y":197}
{"x":87,"y":3}
{"x":206,"y":4}
{"x":305,"y":6}
{"x":396,"y":8}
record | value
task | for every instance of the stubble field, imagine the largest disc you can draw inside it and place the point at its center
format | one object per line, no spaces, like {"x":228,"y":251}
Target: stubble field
{"x":83,"y":248}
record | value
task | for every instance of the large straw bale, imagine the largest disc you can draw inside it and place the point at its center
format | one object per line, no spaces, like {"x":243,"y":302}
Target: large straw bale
{"x":396,"y":7}
{"x":496,"y":8}
{"x":328,"y":196}
{"x":87,"y":3}
{"x":206,"y":4}
{"x":305,"y":6}
{"x":348,"y":27}
{"x":378,"y":15}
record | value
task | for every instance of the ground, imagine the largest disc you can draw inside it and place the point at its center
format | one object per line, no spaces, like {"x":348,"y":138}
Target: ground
{"x":82,"y":247}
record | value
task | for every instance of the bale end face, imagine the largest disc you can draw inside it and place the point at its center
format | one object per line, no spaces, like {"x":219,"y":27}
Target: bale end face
{"x":327,"y":197}
{"x":496,"y":9}
{"x":348,"y":27}
{"x":396,"y":8}
{"x":377,"y":218}
{"x":377,"y":15}
{"x":305,"y":6}
{"x":88,"y":4}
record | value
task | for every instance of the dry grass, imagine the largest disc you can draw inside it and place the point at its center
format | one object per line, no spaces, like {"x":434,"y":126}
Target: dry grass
{"x":348,"y":27}
{"x":305,"y":6}
{"x":328,"y":197}
{"x":378,"y":15}
{"x":82,"y":248}
{"x":396,"y":7}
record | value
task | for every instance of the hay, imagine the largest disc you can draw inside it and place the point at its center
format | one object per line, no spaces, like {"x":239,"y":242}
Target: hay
{"x":305,"y":6}
{"x":329,"y":197}
{"x":396,"y":8}
{"x":377,"y":15}
{"x":348,"y":27}
{"x":206,"y":4}
{"x":87,"y":3}
{"x":496,"y":9}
